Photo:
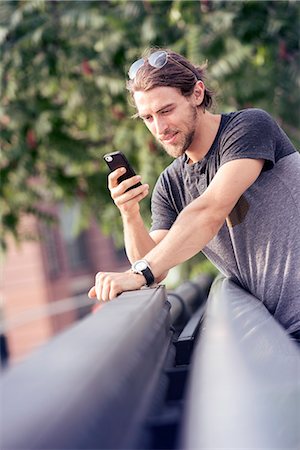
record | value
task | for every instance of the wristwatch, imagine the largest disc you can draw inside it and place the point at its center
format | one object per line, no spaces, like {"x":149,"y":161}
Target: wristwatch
{"x":142,"y":267}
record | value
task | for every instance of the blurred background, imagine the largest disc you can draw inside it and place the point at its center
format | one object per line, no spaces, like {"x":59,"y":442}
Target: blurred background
{"x":64,"y":105}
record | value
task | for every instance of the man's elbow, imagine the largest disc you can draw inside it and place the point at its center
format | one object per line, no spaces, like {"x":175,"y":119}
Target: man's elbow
{"x":218,"y":209}
{"x":213,"y":225}
{"x":212,"y":215}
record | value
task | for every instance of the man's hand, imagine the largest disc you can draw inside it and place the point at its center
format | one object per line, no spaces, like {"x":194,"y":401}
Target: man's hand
{"x":110,"y":284}
{"x":127,"y":202}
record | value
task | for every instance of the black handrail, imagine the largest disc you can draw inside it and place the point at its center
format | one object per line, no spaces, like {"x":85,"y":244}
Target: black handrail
{"x":106,"y":382}
{"x":90,"y":386}
{"x":187,"y":298}
{"x":94,"y":385}
{"x":244,"y":390}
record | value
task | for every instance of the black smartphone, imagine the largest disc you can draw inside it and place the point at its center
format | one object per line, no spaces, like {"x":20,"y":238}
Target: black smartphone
{"x":118,"y":159}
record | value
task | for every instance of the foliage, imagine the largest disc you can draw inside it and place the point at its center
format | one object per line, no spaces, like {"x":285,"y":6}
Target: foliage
{"x":64,"y":103}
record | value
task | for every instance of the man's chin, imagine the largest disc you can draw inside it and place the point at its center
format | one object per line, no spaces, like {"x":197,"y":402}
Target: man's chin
{"x":172,"y":150}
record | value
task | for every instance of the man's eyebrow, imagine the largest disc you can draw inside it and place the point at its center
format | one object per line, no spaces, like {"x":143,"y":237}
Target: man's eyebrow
{"x":141,"y":116}
{"x":169,"y":105}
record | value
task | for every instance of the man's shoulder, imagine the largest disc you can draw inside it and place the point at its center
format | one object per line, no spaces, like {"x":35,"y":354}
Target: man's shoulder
{"x":247,"y":124}
{"x":251,"y":116}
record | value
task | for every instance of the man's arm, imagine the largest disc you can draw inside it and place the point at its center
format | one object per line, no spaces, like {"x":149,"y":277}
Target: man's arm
{"x":138,"y":241}
{"x":195,"y":226}
{"x":201,"y":220}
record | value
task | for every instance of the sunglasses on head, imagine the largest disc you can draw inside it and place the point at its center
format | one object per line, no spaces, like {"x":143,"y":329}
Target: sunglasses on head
{"x":157,"y":60}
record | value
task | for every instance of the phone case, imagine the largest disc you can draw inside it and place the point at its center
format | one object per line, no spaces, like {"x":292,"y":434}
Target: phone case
{"x":116,"y":160}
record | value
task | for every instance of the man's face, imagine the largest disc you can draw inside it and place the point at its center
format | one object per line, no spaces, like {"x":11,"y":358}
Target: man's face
{"x":170,"y":117}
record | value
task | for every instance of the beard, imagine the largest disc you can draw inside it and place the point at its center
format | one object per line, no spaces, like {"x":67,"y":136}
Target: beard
{"x":184,"y":138}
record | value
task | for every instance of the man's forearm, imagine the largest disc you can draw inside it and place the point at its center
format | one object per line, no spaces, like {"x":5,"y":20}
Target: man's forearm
{"x":138,"y":241}
{"x":192,"y":230}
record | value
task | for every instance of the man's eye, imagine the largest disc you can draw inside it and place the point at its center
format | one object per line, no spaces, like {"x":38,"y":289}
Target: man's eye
{"x":166,"y":111}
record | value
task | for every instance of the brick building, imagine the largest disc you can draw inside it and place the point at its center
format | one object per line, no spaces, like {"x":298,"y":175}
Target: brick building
{"x":57,"y":265}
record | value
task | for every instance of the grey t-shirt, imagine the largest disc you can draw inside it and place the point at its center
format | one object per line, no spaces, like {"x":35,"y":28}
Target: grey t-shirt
{"x":258,"y":245}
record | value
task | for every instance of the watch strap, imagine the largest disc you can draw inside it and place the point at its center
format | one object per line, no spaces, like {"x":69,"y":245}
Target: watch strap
{"x":146,"y":272}
{"x":149,"y":277}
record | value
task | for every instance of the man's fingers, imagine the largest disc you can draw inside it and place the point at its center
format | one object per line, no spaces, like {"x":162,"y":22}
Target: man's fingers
{"x":136,"y":194}
{"x":113,"y":177}
{"x":114,"y":290}
{"x":119,"y":189}
{"x":99,"y":285}
{"x":106,"y":288}
{"x":92,"y":292}
{"x":108,"y":285}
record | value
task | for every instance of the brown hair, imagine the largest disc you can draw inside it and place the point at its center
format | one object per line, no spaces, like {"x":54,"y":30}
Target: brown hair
{"x":178,"y":72}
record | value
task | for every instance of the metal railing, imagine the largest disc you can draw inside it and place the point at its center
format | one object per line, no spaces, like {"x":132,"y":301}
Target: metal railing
{"x":94,"y":385}
{"x":187,"y":298}
{"x":244,"y":390}
{"x":89,"y":387}
{"x":152,"y":365}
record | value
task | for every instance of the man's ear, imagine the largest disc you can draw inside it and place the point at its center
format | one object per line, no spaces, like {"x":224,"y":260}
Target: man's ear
{"x":199,"y":91}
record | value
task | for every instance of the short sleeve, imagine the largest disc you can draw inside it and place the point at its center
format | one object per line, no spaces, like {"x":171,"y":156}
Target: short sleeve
{"x":249,"y":134}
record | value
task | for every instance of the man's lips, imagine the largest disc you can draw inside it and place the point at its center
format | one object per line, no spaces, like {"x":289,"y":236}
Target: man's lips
{"x":169,"y":138}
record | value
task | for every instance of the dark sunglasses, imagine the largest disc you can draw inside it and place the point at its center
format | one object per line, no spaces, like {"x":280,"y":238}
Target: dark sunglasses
{"x":157,"y":60}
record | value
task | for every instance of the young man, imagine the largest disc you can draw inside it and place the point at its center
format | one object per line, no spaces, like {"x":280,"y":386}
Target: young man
{"x":232,"y":192}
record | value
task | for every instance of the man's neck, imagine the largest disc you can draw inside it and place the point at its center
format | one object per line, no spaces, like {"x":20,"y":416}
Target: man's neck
{"x":206,"y":131}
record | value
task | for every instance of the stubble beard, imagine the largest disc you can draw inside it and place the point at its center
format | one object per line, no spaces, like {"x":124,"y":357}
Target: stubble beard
{"x":179,"y":148}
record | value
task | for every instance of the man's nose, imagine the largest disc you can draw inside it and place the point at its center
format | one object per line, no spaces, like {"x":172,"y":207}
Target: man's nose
{"x":160,"y":126}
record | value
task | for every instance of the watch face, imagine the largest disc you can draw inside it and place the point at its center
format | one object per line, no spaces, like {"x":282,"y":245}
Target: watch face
{"x":140,"y":265}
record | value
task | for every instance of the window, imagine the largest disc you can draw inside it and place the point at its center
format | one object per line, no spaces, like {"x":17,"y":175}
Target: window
{"x":75,"y":242}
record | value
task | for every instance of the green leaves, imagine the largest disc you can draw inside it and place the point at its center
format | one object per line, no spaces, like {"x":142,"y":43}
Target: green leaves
{"x":63,"y":96}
